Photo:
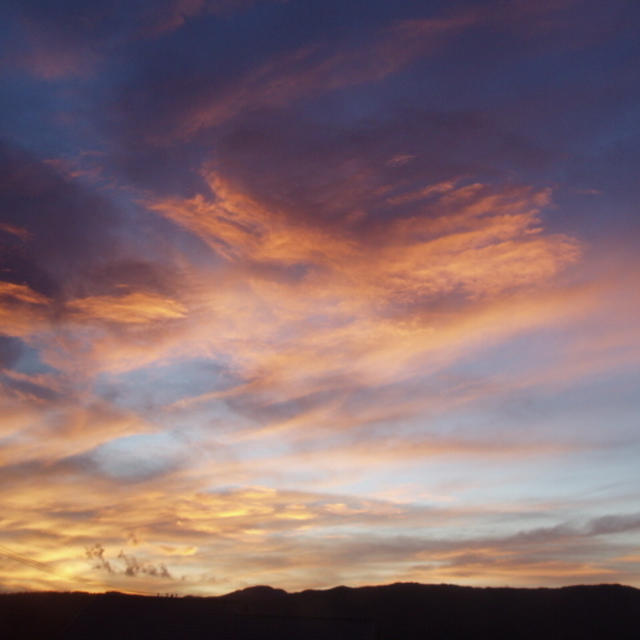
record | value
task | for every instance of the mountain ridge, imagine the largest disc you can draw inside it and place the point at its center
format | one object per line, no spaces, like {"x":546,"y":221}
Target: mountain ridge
{"x":397,"y":611}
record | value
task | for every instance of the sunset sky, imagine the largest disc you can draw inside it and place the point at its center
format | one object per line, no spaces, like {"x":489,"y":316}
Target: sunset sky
{"x":319,"y":292}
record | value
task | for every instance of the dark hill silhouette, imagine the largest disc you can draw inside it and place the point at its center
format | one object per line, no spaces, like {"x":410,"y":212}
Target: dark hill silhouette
{"x":259,"y":593}
{"x":392,"y":612}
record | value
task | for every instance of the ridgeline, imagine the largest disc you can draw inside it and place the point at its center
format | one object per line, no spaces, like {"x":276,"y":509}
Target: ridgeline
{"x":392,"y":612}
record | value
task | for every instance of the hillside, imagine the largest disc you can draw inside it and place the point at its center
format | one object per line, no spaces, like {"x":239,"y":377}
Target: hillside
{"x":391,"y":612}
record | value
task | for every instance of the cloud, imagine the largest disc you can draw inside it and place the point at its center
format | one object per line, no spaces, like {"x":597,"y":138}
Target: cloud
{"x":96,"y":553}
{"x":469,"y":234}
{"x":294,"y":537}
{"x":178,"y":13}
{"x":49,"y":407}
{"x":314,"y":69}
{"x":356,"y":304}
{"x":21,"y":293}
{"x":311,"y":305}
{"x":74,"y":39}
{"x":130,"y":308}
{"x":62,"y":244}
{"x":134,"y":568}
{"x":205,"y":97}
{"x":22,"y":310}
{"x":324,"y":331}
{"x":614,"y":524}
{"x":178,"y":551}
{"x":23,"y":234}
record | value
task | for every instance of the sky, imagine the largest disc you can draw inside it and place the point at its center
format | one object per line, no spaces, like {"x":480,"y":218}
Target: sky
{"x":319,"y":292}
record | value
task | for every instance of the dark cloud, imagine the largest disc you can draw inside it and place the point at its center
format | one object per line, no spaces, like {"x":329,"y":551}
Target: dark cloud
{"x":564,"y":544}
{"x":96,"y":553}
{"x":66,"y":239}
{"x":329,"y":174}
{"x":130,"y":565}
{"x":614,"y":524}
{"x":67,"y":228}
{"x":178,"y":90}
{"x":133,"y":567}
{"x":72,"y":37}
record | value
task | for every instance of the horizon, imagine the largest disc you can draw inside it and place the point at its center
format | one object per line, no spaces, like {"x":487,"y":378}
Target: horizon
{"x":319,"y":292}
{"x":255,"y":587}
{"x":405,"y":610}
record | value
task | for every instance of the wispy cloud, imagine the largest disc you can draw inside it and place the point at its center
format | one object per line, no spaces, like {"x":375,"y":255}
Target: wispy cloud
{"x":129,"y":308}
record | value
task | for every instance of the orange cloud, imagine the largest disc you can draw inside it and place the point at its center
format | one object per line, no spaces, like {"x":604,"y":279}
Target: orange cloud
{"x":21,"y":293}
{"x":306,"y":315}
{"x":245,"y":536}
{"x":14,"y":230}
{"x":325,"y":329}
{"x":23,"y":311}
{"x":361,"y":308}
{"x":67,"y":430}
{"x":479,"y":242}
{"x":131,"y":308}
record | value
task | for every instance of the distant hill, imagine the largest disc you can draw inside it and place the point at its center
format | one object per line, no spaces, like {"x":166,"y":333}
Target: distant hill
{"x":392,"y":612}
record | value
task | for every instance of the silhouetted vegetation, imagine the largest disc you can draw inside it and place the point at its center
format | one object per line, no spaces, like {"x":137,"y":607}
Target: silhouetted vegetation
{"x":392,"y":612}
